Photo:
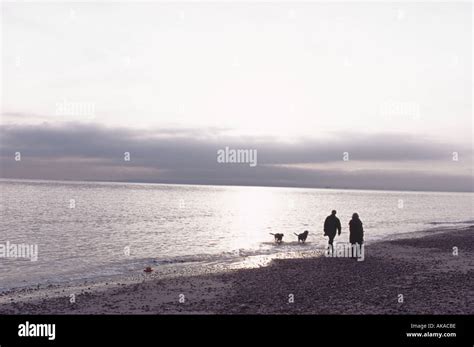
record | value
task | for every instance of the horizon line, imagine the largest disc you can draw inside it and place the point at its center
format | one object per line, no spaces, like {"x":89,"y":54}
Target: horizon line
{"x":227,"y":185}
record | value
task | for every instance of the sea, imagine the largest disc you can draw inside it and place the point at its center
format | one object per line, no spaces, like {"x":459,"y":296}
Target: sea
{"x":92,"y":230}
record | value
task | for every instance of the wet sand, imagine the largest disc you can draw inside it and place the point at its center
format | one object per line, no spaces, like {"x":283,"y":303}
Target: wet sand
{"x":404,"y":276}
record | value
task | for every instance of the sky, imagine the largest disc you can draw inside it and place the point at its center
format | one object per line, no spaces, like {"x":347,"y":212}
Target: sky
{"x":343,"y":95}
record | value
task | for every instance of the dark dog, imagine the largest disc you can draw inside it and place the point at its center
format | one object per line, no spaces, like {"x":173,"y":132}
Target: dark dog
{"x":278,"y":237}
{"x":302,"y":237}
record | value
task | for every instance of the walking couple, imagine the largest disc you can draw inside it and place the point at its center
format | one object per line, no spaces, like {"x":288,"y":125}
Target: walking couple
{"x":332,"y":225}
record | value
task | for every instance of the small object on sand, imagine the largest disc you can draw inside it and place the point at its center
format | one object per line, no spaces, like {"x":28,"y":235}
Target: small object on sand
{"x":148,"y":269}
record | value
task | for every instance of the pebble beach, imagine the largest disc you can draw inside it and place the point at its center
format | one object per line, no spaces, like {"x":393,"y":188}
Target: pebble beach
{"x":429,"y":274}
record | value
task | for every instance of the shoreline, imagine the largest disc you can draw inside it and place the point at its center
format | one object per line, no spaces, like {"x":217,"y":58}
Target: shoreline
{"x":423,"y":270}
{"x":213,"y":263}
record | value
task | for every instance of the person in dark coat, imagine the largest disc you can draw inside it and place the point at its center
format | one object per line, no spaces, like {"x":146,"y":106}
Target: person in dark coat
{"x":356,"y":231}
{"x":332,"y":224}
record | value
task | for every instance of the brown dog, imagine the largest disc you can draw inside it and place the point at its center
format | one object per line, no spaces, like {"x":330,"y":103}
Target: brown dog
{"x":302,"y":237}
{"x":278,"y":237}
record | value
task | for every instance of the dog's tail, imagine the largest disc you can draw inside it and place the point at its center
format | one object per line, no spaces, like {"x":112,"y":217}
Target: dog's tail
{"x":271,"y":233}
{"x":296,"y":234}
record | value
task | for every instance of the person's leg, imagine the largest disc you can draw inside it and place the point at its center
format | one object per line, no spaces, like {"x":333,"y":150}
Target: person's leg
{"x":330,"y":246}
{"x":361,"y":249}
{"x":357,"y":250}
{"x":353,"y":250}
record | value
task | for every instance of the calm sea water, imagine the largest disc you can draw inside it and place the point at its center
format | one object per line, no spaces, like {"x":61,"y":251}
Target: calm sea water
{"x":167,"y":224}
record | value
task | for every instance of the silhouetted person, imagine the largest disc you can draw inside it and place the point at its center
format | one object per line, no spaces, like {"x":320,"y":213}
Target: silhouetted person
{"x":332,"y":224}
{"x":356,"y":231}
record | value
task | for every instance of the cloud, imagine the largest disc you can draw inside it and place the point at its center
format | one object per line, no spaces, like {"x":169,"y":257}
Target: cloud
{"x":80,"y":151}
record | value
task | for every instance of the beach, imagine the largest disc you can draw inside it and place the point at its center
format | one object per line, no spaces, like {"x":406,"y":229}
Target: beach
{"x":428,"y":274}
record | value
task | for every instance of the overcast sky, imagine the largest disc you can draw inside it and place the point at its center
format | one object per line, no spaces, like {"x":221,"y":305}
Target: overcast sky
{"x":390,"y":84}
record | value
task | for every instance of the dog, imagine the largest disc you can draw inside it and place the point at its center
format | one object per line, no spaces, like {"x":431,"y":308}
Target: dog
{"x":278,"y":237}
{"x":302,"y":237}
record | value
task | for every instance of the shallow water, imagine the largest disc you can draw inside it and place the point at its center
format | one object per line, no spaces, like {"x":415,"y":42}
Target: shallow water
{"x":117,"y":228}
